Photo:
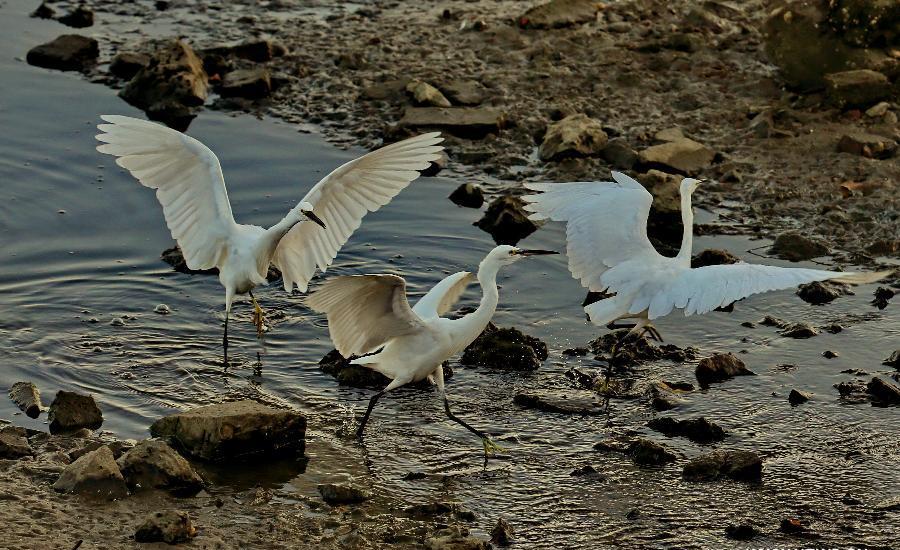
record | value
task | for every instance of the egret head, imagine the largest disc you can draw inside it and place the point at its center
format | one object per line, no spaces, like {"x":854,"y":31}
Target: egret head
{"x":306,"y":210}
{"x":506,"y":255}
{"x":688,"y":185}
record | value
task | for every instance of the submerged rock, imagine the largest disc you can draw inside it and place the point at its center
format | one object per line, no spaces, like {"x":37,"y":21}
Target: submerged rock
{"x":799,"y":330}
{"x":468,"y":195}
{"x":95,"y":473}
{"x":14,"y":444}
{"x":465,"y":122}
{"x":341,"y":493}
{"x":27,"y":397}
{"x":506,"y":220}
{"x":683,"y":155}
{"x":505,"y":348}
{"x":645,"y":452}
{"x":169,"y":526}
{"x":741,"y":531}
{"x":797,"y":397}
{"x":720,"y":367}
{"x":152,"y":464}
{"x":43,"y":12}
{"x":738,"y":465}
{"x":893,"y":360}
{"x":502,"y":533}
{"x":881,"y":297}
{"x":574,"y":136}
{"x":820,"y":292}
{"x":170,"y":87}
{"x":71,"y":411}
{"x":698,"y":430}
{"x":578,"y":402}
{"x":858,"y":89}
{"x":559,"y":13}
{"x":237,"y":429}
{"x":796,"y":247}
{"x":69,"y":52}
{"x":455,"y":537}
{"x":883,"y":392}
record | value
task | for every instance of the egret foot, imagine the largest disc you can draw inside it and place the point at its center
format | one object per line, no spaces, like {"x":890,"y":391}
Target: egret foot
{"x":258,"y":318}
{"x":490,"y":448}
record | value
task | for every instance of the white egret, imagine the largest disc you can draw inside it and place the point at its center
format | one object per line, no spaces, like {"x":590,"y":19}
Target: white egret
{"x":191,"y":189}
{"x":608,"y":250}
{"x":369,"y":316}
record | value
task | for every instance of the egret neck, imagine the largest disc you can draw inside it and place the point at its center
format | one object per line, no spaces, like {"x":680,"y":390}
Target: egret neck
{"x":687,"y":239}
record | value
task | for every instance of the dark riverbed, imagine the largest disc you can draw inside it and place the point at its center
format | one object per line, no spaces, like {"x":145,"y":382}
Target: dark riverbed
{"x":80,"y":277}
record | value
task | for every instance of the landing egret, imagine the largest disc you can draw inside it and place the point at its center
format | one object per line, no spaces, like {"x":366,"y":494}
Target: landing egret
{"x":608,"y":249}
{"x":191,"y":188}
{"x":369,"y":316}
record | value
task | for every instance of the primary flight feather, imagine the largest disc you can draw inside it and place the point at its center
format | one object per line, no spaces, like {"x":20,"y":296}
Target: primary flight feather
{"x":190,"y":187}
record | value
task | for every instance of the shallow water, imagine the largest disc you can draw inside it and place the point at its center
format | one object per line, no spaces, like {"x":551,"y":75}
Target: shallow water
{"x":80,"y":247}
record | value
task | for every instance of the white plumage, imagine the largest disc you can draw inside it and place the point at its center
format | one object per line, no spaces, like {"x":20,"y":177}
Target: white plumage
{"x":369,"y":316}
{"x":190,"y":187}
{"x":608,"y":250}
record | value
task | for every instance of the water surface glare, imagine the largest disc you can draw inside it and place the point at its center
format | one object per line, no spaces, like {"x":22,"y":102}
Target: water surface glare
{"x":80,"y":248}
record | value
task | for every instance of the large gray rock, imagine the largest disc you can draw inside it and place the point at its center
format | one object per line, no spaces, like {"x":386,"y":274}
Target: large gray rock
{"x":69,"y":52}
{"x":467,"y":122}
{"x":576,"y":135}
{"x":72,"y":411}
{"x":237,"y":429}
{"x":14,"y":444}
{"x":505,"y":348}
{"x":645,"y":452}
{"x":169,"y":526}
{"x":153,"y":464}
{"x":860,"y":88}
{"x":683,"y":155}
{"x":720,"y":367}
{"x":559,"y":13}
{"x":171,"y":86}
{"x":739,"y":465}
{"x":96,"y":474}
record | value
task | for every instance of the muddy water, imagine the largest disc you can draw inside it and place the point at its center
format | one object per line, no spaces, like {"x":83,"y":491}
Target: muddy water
{"x":80,"y":276}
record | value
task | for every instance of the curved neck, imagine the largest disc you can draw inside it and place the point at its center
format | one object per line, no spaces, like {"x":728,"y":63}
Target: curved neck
{"x":687,"y":238}
{"x":476,"y":321}
{"x":273,"y":235}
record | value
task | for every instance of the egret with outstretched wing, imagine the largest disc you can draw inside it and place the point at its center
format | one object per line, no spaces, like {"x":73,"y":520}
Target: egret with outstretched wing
{"x":369,"y":316}
{"x":191,"y":189}
{"x":608,"y":250}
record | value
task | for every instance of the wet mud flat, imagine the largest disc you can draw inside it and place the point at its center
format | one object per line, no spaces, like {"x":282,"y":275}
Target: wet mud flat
{"x":744,"y":457}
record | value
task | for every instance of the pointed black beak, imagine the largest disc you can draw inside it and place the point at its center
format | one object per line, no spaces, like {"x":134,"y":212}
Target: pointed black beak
{"x":537,"y":252}
{"x":309,"y":214}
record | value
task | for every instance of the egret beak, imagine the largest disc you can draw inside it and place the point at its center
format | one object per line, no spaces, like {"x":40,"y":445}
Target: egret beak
{"x":535,"y":252}
{"x":309,"y":214}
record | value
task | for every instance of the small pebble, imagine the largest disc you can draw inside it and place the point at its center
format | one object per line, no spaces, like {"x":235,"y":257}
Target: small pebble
{"x":117,"y":322}
{"x":162,"y":309}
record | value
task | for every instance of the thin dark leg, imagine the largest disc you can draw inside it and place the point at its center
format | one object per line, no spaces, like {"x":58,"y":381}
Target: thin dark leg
{"x":225,"y":339}
{"x":365,"y":418}
{"x":454,"y":418}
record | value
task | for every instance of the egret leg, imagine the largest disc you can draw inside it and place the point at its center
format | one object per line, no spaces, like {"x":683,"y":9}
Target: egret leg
{"x":258,"y":317}
{"x":225,"y":339}
{"x":365,"y":418}
{"x":490,"y":448}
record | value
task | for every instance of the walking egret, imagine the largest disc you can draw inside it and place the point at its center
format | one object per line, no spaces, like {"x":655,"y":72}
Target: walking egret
{"x":191,"y":189}
{"x":370,"y":317}
{"x":608,"y":249}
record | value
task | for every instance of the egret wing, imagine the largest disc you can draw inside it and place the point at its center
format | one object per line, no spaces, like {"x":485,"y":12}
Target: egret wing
{"x":342,"y":198}
{"x":364,"y":311}
{"x":703,"y":289}
{"x":441,"y":299}
{"x":187,"y":178}
{"x":606,"y":223}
